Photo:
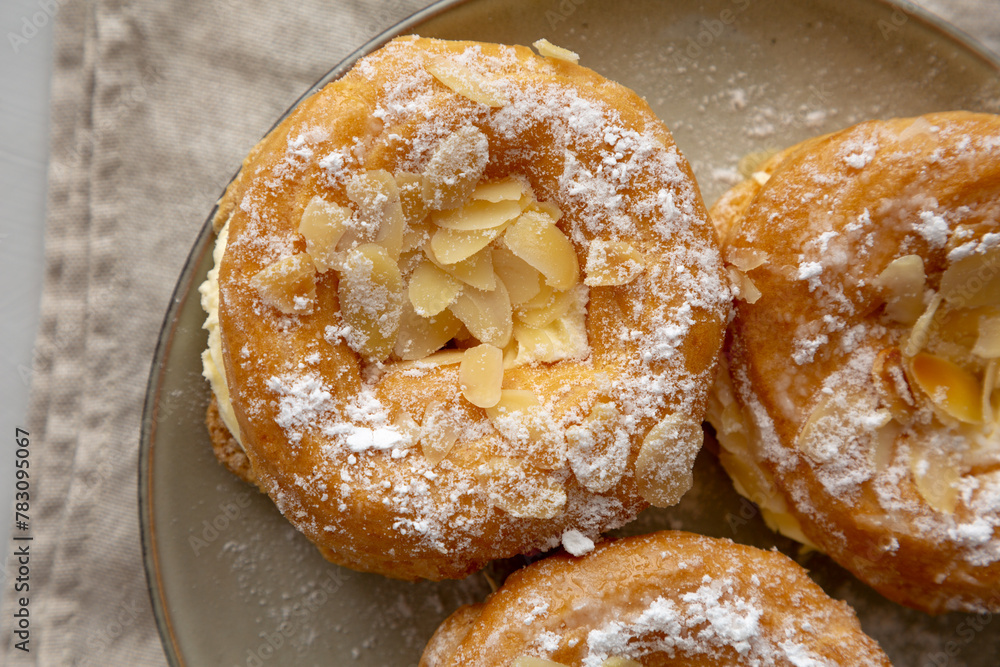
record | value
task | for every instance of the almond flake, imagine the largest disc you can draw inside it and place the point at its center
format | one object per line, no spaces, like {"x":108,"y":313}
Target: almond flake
{"x":431,"y":290}
{"x":520,"y":491}
{"x":974,"y":280}
{"x":936,"y":479}
{"x":663,"y":467}
{"x":439,"y":433}
{"x":598,"y":455}
{"x":466,"y":82}
{"x":611,"y":263}
{"x":481,"y":375}
{"x":534,"y":238}
{"x":371,"y":300}
{"x":420,"y":336}
{"x":522,"y":280}
{"x":902,"y":283}
{"x":486,"y":314}
{"x":455,"y":168}
{"x":322,"y":225}
{"x":288,"y":284}
{"x":376,"y":195}
{"x":451,"y":246}
{"x":988,"y":342}
{"x":478,"y":214}
{"x":496,"y":191}
{"x":950,"y":387}
{"x":550,"y":50}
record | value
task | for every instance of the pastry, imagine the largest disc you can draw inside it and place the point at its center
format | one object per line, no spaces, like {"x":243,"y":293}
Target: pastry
{"x":668,"y":598}
{"x":861,"y":408}
{"x":467,"y":300}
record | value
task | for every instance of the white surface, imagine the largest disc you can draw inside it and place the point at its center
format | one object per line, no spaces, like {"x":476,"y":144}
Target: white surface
{"x":25,"y":71}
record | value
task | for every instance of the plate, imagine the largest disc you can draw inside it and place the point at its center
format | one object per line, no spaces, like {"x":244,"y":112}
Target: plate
{"x":233,"y":583}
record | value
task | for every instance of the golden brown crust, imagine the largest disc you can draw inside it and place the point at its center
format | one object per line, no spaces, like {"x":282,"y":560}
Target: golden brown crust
{"x":669,"y":598}
{"x":361,"y":507}
{"x":831,"y":217}
{"x":224,"y":445}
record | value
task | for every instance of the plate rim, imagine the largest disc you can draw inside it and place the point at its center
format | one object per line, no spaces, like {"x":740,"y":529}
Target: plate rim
{"x":187,"y":278}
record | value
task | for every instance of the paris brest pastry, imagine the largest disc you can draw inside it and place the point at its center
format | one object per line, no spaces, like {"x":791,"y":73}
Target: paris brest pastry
{"x":467,"y":300}
{"x":668,"y":598}
{"x":861,"y":407}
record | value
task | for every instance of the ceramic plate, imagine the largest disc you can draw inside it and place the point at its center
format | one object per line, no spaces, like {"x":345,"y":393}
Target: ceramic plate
{"x":232,"y":583}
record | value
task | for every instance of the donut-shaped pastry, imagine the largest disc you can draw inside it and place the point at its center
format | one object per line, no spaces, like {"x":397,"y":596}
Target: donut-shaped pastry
{"x":469,"y":299}
{"x":861,"y":409}
{"x":668,"y":598}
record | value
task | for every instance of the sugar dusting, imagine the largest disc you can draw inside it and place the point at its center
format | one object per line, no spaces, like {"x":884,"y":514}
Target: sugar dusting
{"x":599,"y":200}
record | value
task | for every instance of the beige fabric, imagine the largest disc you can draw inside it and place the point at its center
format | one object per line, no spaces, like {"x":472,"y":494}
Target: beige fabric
{"x":153,"y":106}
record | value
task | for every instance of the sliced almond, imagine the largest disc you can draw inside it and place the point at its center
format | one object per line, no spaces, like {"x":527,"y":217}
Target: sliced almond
{"x":973,"y":281}
{"x":902,"y":285}
{"x":376,"y":195}
{"x":420,"y":336}
{"x":486,"y":314}
{"x":988,"y":342}
{"x":921,"y":330}
{"x":550,"y":50}
{"x":599,"y":448}
{"x":481,"y":375}
{"x":547,"y":306}
{"x":528,"y":429}
{"x":520,"y":491}
{"x":611,"y":263}
{"x":322,"y":224}
{"x":417,"y":235}
{"x":454,"y":169}
{"x":443,"y":358}
{"x":546,"y":208}
{"x":439,"y":433}
{"x":478,"y":214}
{"x":431,"y":290}
{"x":663,"y":468}
{"x":371,"y":300}
{"x":466,"y":82}
{"x":746,"y":259}
{"x":522,"y":280}
{"x":508,"y":189}
{"x":889,"y":376}
{"x":936,"y":479}
{"x":991,"y":381}
{"x":476,"y":271}
{"x":451,"y":246}
{"x":836,"y":419}
{"x":744,"y":288}
{"x":950,"y":387}
{"x":288,"y":284}
{"x":513,"y":400}
{"x":408,"y":428}
{"x":534,"y":238}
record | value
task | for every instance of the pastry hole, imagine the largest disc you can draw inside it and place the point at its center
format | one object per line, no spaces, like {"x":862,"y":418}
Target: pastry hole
{"x":288,"y":284}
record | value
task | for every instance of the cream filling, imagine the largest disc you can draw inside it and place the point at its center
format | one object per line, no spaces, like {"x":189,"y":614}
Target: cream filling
{"x":212,"y":365}
{"x":734,"y":431}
